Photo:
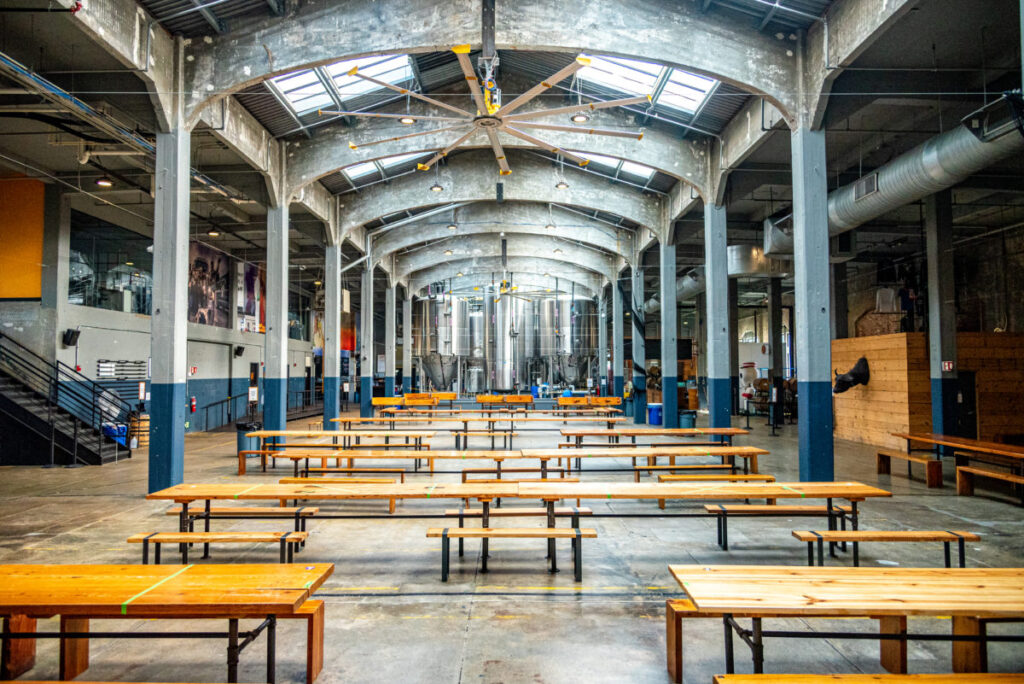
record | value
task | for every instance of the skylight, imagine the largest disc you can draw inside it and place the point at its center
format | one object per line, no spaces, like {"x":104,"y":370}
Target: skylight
{"x":673,"y":88}
{"x":634,"y":169}
{"x":389,"y":162}
{"x":331,"y":86}
{"x":361,"y":169}
{"x":617,"y":167}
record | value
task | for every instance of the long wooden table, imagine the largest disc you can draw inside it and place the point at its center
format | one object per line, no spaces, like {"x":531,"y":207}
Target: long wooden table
{"x":963,"y":444}
{"x":346,"y":436}
{"x":724,"y":435}
{"x":80,"y":593}
{"x":969,"y":595}
{"x":427,"y":455}
{"x":728,"y":454}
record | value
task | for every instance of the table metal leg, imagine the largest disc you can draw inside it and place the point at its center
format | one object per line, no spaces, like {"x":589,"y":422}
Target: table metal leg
{"x":271,"y":649}
{"x":233,"y":650}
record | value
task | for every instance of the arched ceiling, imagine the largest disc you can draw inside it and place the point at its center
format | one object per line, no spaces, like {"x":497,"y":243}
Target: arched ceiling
{"x":469,"y":177}
{"x":482,"y":270}
{"x":661,"y":31}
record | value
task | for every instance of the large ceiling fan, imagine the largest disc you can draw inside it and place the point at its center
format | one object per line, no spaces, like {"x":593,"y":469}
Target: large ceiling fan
{"x":492,"y":116}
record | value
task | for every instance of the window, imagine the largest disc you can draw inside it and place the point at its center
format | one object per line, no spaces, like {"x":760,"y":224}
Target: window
{"x":361,"y":169}
{"x":634,"y":169}
{"x":685,"y":91}
{"x":670,"y":88}
{"x":600,"y":160}
{"x":616,"y":167}
{"x":110,"y":267}
{"x":390,"y":162}
{"x":298,"y":316}
{"x":307,"y":91}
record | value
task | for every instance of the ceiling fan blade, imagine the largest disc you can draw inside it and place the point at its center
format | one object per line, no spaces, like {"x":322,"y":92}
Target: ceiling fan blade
{"x":444,"y":153}
{"x":462,"y":53}
{"x":405,"y":91}
{"x":591,"y":106}
{"x":546,"y":146}
{"x":581,"y":129}
{"x":378,"y":115}
{"x":499,"y":152}
{"x":536,"y":90}
{"x":353,"y":146}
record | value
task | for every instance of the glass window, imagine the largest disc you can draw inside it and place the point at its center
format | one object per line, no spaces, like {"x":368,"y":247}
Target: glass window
{"x":362,"y":169}
{"x":304,"y":91}
{"x":110,"y":267}
{"x":298,"y":316}
{"x":685,"y":91}
{"x":598,"y":159}
{"x":639,"y":170}
{"x":393,"y":69}
{"x":400,"y":159}
{"x":625,"y":75}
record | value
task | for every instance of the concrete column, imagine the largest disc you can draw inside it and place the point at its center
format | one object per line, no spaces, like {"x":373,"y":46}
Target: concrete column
{"x":602,"y":344}
{"x":716,"y":296}
{"x":389,"y":341}
{"x":169,"y":320}
{"x":938,"y":221}
{"x":275,"y":372}
{"x":701,"y":346}
{"x":734,"y":345}
{"x":366,"y":355}
{"x":669,"y":334}
{"x":332,"y":335}
{"x":775,"y":347}
{"x":618,"y":340}
{"x":840,"y":303}
{"x":811,"y":268}
{"x":407,"y":343}
{"x":56,"y":265}
{"x":636,"y":316}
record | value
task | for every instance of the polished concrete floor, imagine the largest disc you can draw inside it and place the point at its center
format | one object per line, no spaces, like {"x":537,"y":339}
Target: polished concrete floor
{"x":390,"y":618}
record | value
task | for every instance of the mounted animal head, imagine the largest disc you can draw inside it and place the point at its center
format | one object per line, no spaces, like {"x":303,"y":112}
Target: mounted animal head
{"x":858,"y":375}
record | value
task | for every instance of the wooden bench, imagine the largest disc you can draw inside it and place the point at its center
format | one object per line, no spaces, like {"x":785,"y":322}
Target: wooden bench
{"x":573,"y":512}
{"x":506,"y":437}
{"x":573,"y":445}
{"x":289,"y":541}
{"x":637,"y":469}
{"x":856,"y":536}
{"x":960,"y":678}
{"x":749,"y":477}
{"x":722,"y":512}
{"x":501,"y":471}
{"x":299,"y":514}
{"x":965,"y":478}
{"x":380,"y":471}
{"x":576,"y":535}
{"x":932,"y":466}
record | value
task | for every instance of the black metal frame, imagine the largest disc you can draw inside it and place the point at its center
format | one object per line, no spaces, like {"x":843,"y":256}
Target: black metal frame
{"x":289,"y":547}
{"x":577,"y":554}
{"x":237,"y":640}
{"x":754,"y":638}
{"x":961,"y":549}
{"x":835,"y":514}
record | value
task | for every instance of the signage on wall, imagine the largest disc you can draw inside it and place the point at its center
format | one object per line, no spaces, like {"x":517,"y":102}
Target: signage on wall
{"x":254,"y":395}
{"x":193,"y":370}
{"x":142,"y":390}
{"x":947,"y":366}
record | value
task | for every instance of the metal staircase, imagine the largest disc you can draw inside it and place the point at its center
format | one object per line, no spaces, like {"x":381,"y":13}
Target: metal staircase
{"x":50,"y":414}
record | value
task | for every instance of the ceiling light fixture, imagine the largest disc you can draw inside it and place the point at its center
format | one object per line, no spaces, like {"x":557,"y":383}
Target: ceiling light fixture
{"x":436,"y":187}
{"x":452,"y":226}
{"x":407,"y":120}
{"x":562,"y":185}
{"x":580,"y":117}
{"x":318,"y":283}
{"x":213,"y":233}
{"x":550,"y":226}
{"x":447,"y":252}
{"x":104,"y":182}
{"x":557,"y":250}
{"x":129,"y":263}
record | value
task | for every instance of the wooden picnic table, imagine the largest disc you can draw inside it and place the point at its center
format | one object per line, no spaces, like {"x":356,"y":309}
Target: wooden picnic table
{"x":975,"y":446}
{"x":728,"y":454}
{"x":427,"y":455}
{"x":346,"y":436}
{"x":969,"y":595}
{"x":724,"y":435}
{"x":80,"y":593}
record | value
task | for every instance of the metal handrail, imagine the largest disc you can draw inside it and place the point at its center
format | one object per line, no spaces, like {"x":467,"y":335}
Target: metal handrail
{"x":230,"y":406}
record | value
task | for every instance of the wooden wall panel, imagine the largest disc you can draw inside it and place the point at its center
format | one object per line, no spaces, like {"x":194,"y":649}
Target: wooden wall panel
{"x":997,"y":359}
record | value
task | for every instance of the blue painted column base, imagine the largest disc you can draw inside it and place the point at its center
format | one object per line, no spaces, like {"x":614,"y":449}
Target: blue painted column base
{"x":331,"y":401}
{"x":389,"y":386}
{"x":944,"y":409}
{"x":166,"y":436}
{"x":669,"y":402}
{"x":365,"y":397}
{"x":618,"y":385}
{"x":719,"y":402}
{"x":814,"y":418}
{"x":275,"y":406}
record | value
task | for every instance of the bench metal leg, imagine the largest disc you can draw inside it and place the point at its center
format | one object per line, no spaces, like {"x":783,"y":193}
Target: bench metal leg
{"x":145,"y":553}
{"x":945,"y":549}
{"x":725,"y":531}
{"x":206,"y":527}
{"x":284,"y":551}
{"x":856,"y":554}
{"x":444,"y":555}
{"x":810,"y":554}
{"x":757,"y":647}
{"x":961,"y":544}
{"x":233,"y":650}
{"x":271,"y":649}
{"x":577,"y":559}
{"x":821,"y":553}
{"x":730,"y":663}
{"x":156,"y":553}
{"x":461,"y":525}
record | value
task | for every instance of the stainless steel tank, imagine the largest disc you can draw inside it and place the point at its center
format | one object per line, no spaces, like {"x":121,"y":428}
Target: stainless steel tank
{"x":503,"y":358}
{"x":459,"y":327}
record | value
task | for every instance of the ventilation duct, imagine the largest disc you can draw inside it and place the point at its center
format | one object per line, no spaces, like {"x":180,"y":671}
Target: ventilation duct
{"x":984,"y":138}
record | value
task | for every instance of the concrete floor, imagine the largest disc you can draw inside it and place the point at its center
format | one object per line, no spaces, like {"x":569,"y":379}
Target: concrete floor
{"x":390,"y":618}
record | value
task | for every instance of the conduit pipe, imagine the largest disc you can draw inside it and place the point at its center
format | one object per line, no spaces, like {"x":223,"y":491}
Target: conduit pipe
{"x":983,"y":138}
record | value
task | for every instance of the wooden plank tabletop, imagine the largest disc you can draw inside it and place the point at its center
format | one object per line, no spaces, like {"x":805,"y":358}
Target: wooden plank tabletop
{"x":340,"y":433}
{"x":332,"y":489}
{"x":461,"y":418}
{"x":645,"y":451}
{"x":216,"y":590}
{"x":427,"y":454}
{"x":792,"y":590}
{"x":701,"y":491}
{"x":655,"y":432}
{"x":965,"y":443}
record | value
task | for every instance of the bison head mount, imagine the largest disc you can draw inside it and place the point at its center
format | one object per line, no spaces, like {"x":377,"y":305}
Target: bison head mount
{"x":858,"y":375}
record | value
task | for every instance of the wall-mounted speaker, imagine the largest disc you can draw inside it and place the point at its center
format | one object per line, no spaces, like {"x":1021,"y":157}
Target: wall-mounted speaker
{"x":70,"y":337}
{"x":239,"y":350}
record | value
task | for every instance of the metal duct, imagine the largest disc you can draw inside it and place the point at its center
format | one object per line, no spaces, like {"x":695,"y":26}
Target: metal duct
{"x":984,"y":138}
{"x":744,"y":261}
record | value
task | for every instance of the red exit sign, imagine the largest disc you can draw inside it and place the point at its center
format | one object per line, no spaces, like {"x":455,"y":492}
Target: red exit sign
{"x":947,"y":366}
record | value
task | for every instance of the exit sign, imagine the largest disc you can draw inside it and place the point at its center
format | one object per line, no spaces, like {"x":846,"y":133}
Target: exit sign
{"x":947,"y":366}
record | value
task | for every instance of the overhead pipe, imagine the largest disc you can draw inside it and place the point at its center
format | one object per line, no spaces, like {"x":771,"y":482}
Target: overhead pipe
{"x":991,"y":134}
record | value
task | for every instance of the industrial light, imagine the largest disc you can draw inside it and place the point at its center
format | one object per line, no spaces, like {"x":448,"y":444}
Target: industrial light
{"x":436,"y":187}
{"x":502,"y":234}
{"x":447,"y":252}
{"x":129,"y":263}
{"x":452,"y":226}
{"x":547,"y":275}
{"x":562,"y":185}
{"x":580,"y":117}
{"x":407,"y":120}
{"x":548,"y":290}
{"x":318,"y":283}
{"x":550,"y":226}
{"x":459,"y":275}
{"x":557,"y":250}
{"x":213,"y":233}
{"x":104,"y":182}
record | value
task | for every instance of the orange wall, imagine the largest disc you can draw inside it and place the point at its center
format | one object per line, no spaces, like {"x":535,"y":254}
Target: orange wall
{"x":21,"y":238}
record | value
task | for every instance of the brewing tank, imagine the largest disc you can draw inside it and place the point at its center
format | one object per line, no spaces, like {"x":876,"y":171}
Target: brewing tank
{"x":504,"y":343}
{"x":459,"y":327}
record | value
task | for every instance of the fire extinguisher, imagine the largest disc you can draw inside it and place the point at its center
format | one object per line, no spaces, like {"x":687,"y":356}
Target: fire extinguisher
{"x":192,"y":404}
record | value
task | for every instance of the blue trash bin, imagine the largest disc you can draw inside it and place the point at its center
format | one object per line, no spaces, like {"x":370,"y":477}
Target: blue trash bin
{"x":687,"y":419}
{"x":654,"y":414}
